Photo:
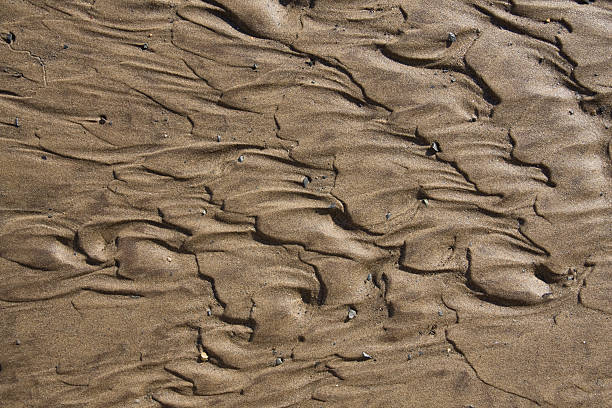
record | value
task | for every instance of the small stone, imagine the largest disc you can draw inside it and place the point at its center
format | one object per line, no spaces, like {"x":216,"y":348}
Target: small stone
{"x":278,"y":361}
{"x":169,"y":259}
{"x":144,"y":46}
{"x":547,"y":20}
{"x":305,"y":181}
{"x":65,"y":46}
{"x":203,"y":212}
{"x":369,"y":278}
{"x":102,"y":120}
{"x":388,"y":215}
{"x":425,"y":201}
{"x":366,"y":355}
{"x":165,"y":135}
{"x":16,"y":122}
{"x":203,"y":356}
{"x":473,"y":119}
{"x":440,"y":313}
{"x":9,"y":38}
{"x":240,"y":159}
{"x":451,"y":38}
{"x":409,"y":356}
{"x":43,"y":157}
{"x":18,"y":342}
{"x":352,"y":313}
{"x":571,"y":111}
{"x":208,"y":312}
{"x":453,"y":80}
{"x":435,"y":146}
{"x":254,"y":67}
{"x":218,"y":138}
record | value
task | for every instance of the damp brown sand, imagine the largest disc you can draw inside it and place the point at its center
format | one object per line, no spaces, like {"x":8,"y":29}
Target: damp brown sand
{"x":305,"y":203}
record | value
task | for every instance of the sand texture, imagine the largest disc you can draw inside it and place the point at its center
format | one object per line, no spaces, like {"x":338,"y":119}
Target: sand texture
{"x":336,"y":203}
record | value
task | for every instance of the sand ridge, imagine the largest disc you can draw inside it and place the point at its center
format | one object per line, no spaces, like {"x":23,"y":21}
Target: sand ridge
{"x":368,"y":203}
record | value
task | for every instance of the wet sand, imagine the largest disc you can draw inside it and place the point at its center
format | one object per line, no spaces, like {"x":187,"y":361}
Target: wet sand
{"x":305,"y":203}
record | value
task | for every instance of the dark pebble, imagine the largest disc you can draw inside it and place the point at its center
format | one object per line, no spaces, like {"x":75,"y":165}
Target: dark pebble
{"x":102,"y":119}
{"x":278,"y":361}
{"x":144,"y":46}
{"x":43,"y":157}
{"x":451,"y":38}
{"x":306,"y":181}
{"x":9,"y":38}
{"x":16,"y":122}
{"x":254,"y":67}
{"x":18,"y":342}
{"x":240,"y":159}
{"x":65,"y":46}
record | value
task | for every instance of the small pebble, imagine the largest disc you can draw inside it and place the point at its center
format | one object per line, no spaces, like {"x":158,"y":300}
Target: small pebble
{"x":9,"y":38}
{"x":102,"y":120}
{"x":16,"y":122}
{"x":144,"y":46}
{"x":203,"y":356}
{"x":388,"y":215}
{"x":169,"y":259}
{"x":278,"y":361}
{"x":453,"y":80}
{"x":65,"y":46}
{"x":203,"y":212}
{"x":305,"y":181}
{"x":451,"y":38}
{"x":254,"y":67}
{"x":409,"y":356}
{"x":369,"y":278}
{"x":218,"y":138}
{"x":365,"y":355}
{"x":571,"y":111}
{"x":18,"y":342}
{"x":425,"y":201}
{"x":240,"y":159}
{"x":435,"y":146}
{"x":43,"y":157}
{"x":440,"y":313}
{"x":352,"y":313}
{"x":208,"y":312}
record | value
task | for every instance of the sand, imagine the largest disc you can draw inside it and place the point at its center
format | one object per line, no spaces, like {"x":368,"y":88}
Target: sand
{"x":260,"y":203}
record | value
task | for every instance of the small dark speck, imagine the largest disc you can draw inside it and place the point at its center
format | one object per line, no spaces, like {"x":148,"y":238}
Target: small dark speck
{"x":18,"y":342}
{"x":49,"y":216}
{"x":388,"y":215}
{"x":240,"y":159}
{"x":409,"y":356}
{"x":451,"y":38}
{"x":65,"y":46}
{"x":144,"y":46}
{"x":43,"y":157}
{"x":102,"y":119}
{"x":219,"y":138}
{"x":254,"y":67}
{"x":16,"y":122}
{"x":571,"y":111}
